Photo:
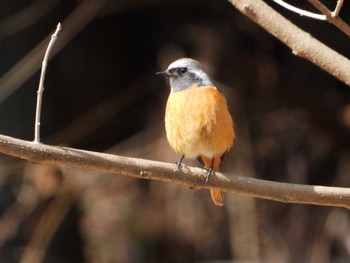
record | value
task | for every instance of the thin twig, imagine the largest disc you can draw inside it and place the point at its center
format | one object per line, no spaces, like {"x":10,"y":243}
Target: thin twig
{"x":300,"y":11}
{"x":193,"y":177}
{"x":301,"y":42}
{"x":41,"y":84}
{"x":335,"y":20}
{"x":337,"y":8}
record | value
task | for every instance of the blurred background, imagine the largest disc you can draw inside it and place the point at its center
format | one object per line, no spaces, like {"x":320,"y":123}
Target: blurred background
{"x":292,"y":123}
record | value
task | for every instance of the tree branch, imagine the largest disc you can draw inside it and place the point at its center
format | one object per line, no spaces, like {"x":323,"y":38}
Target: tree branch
{"x":300,"y":11}
{"x":332,"y":17}
{"x":27,"y":66}
{"x":301,"y":42}
{"x":337,"y":8}
{"x":193,"y":177}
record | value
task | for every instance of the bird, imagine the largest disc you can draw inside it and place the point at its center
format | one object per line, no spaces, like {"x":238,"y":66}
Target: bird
{"x":197,"y":121}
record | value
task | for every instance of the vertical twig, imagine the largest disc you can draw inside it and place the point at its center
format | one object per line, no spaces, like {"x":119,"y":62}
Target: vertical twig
{"x":337,"y":8}
{"x":41,"y":85}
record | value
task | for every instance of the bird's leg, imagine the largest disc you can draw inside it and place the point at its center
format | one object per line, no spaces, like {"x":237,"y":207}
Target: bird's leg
{"x":179,"y":163}
{"x":211,"y":171}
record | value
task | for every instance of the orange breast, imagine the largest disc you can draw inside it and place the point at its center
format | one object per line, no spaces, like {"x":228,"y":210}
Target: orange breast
{"x":197,"y":122}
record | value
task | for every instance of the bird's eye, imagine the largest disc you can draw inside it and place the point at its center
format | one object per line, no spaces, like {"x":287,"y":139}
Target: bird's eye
{"x":182,"y":71}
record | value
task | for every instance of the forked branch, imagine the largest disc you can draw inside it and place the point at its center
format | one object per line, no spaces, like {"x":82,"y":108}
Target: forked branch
{"x":301,"y":43}
{"x":333,"y":17}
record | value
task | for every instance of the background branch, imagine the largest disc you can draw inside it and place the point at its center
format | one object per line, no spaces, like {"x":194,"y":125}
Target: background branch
{"x":332,"y":17}
{"x":27,"y":66}
{"x":26,"y":17}
{"x":193,"y":177}
{"x":300,"y":11}
{"x":301,"y":42}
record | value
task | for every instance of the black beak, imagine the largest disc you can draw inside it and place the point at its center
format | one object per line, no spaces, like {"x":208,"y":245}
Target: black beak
{"x":165,"y":73}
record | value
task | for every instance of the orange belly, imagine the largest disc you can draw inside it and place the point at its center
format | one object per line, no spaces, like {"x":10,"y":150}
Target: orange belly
{"x":197,"y":122}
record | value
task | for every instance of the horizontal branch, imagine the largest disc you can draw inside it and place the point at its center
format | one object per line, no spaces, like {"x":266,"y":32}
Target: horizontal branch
{"x":193,"y":177}
{"x":301,"y":43}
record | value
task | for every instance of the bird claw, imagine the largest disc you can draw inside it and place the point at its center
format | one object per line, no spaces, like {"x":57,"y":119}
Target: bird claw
{"x":210,"y":174}
{"x":179,"y":163}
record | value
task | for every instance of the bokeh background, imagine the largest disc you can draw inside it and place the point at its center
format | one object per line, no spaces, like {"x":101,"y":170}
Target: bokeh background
{"x":101,"y":93}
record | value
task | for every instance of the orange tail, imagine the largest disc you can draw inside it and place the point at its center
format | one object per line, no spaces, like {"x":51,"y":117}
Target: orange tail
{"x":216,"y":195}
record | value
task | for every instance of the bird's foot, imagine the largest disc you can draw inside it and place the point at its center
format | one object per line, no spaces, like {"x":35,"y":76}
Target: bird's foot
{"x":179,"y":163}
{"x":210,"y":174}
{"x":210,"y":171}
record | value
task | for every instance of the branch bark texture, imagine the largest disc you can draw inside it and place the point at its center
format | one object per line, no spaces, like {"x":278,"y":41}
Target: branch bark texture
{"x":301,"y":42}
{"x":192,"y":177}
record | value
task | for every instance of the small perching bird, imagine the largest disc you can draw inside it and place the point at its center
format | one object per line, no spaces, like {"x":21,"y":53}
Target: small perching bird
{"x":197,"y":121}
